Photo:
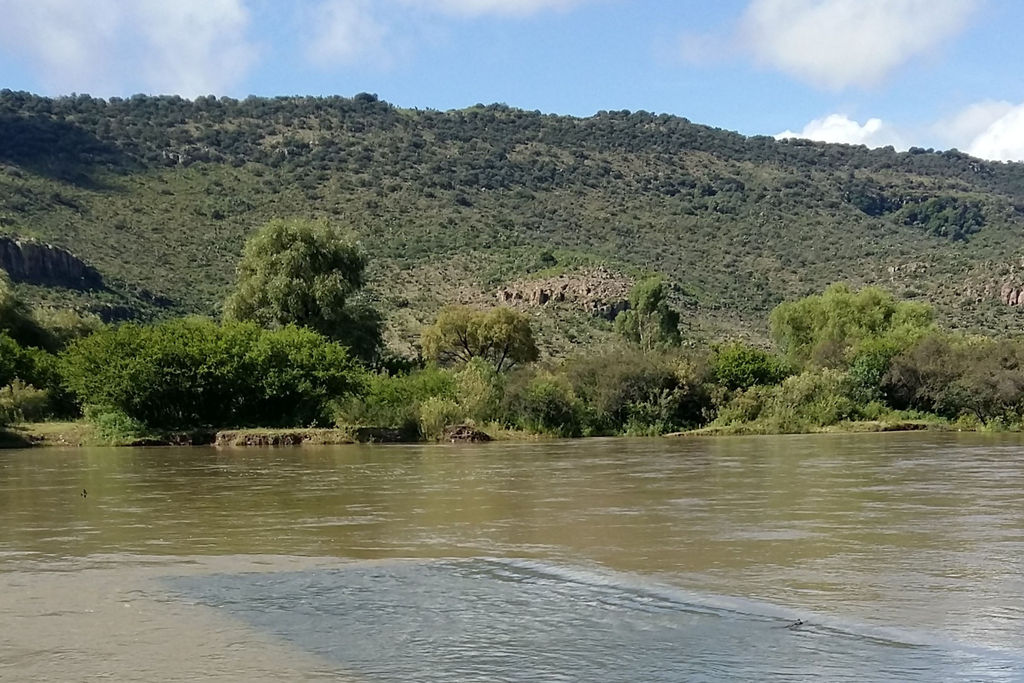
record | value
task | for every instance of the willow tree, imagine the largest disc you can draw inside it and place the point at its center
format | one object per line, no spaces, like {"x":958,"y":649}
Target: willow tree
{"x":305,"y":273}
{"x":501,"y":336}
{"x":835,"y":327}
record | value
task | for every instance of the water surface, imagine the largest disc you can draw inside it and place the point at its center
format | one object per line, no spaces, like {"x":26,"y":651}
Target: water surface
{"x":587,"y":560}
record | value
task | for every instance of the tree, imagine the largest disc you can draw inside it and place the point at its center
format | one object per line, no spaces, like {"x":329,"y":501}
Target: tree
{"x":16,"y":318}
{"x":501,"y":336}
{"x":189,"y":373}
{"x":738,"y":366}
{"x":301,"y":272}
{"x":649,"y":323}
{"x":829,"y":329}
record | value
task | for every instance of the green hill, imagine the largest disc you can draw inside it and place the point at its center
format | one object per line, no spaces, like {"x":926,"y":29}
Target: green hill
{"x":158,"y":193}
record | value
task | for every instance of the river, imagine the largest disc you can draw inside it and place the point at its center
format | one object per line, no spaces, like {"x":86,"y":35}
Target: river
{"x":890,"y":557}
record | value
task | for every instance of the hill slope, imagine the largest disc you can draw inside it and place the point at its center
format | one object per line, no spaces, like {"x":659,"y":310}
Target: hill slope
{"x":158,"y":194}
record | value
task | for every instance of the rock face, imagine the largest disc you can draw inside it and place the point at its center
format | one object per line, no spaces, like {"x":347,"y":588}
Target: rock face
{"x":595,"y":290}
{"x":1012,"y":295}
{"x":44,"y":264}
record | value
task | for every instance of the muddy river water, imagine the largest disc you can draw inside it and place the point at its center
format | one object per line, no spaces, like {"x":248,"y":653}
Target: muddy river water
{"x":841,"y":558}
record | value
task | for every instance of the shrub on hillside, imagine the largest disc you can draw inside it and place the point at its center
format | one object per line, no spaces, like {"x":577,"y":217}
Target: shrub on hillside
{"x":189,"y":373}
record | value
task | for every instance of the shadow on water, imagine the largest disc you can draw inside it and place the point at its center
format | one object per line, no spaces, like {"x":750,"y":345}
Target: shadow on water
{"x":496,"y":619}
{"x":57,"y":149}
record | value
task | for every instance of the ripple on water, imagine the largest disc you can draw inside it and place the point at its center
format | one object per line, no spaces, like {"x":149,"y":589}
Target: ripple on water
{"x":496,"y":619}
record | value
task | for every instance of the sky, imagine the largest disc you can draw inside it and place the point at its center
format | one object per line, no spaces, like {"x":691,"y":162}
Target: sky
{"x":926,"y":73}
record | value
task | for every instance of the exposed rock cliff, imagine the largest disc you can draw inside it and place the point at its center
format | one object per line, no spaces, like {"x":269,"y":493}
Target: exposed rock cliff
{"x":596,"y":290}
{"x":44,"y":264}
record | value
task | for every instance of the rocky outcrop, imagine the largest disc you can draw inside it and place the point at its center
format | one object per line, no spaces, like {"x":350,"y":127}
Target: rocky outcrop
{"x":466,"y":434}
{"x":44,"y":264}
{"x":596,"y":290}
{"x":1012,"y":294}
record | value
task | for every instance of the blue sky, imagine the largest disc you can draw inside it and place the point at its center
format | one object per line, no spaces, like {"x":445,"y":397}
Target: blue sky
{"x":930,"y":73}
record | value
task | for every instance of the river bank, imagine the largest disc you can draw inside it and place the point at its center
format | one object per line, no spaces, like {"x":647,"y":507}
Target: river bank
{"x":81,"y":433}
{"x":84,"y":434}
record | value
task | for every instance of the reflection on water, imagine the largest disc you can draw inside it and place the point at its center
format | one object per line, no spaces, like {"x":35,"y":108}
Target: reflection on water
{"x":905,"y":548}
{"x":490,"y":620}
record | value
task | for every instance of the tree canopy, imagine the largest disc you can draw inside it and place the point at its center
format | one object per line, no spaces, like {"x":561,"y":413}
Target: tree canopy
{"x":649,"y":323}
{"x":191,"y":372}
{"x":828,"y":329}
{"x":302,"y":272}
{"x":501,"y":336}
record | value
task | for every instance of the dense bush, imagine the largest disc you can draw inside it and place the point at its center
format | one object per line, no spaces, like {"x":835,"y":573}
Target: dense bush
{"x":305,"y":273}
{"x":37,"y":368}
{"x":21,"y":402}
{"x":639,"y":392}
{"x":545,"y":403}
{"x":803,"y":402}
{"x":395,"y":401}
{"x":827,"y":330}
{"x":190,"y":373}
{"x":954,"y":376}
{"x":738,"y":366}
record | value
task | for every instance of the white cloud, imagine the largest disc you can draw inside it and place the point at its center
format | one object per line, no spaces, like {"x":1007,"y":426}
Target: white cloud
{"x":839,"y":43}
{"x":840,"y":128}
{"x":385,"y":31}
{"x":344,"y":32}
{"x":1002,"y":139}
{"x":187,"y":47}
{"x":474,"y":8}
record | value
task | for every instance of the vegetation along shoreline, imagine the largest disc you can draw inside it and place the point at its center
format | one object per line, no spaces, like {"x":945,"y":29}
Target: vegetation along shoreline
{"x":297,"y":358}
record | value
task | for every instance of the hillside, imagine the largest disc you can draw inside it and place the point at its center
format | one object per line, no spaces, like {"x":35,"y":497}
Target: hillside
{"x":157,"y":194}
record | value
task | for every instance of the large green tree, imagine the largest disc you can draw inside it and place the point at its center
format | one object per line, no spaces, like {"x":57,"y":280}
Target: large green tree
{"x":831,"y":328}
{"x":650,"y":322}
{"x":305,"y":273}
{"x":189,"y":373}
{"x":501,"y":336}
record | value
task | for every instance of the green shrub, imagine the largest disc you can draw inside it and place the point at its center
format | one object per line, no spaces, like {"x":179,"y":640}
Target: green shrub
{"x":394,"y":400}
{"x":546,"y":404}
{"x":113,"y":426}
{"x":23,"y":402}
{"x":800,"y":403}
{"x":746,"y":406}
{"x":818,"y":399}
{"x":951,"y":376}
{"x":436,"y":415}
{"x":738,"y":366}
{"x":479,"y":389}
{"x":184,"y":374}
{"x":633,"y":391}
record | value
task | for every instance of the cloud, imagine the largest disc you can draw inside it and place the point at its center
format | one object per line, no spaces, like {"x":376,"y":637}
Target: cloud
{"x":345,"y":32}
{"x":963,"y":127}
{"x":840,"y":128}
{"x":1002,"y":139}
{"x":474,"y":8}
{"x":383,"y":31}
{"x":841,"y":43}
{"x":186,"y":47}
